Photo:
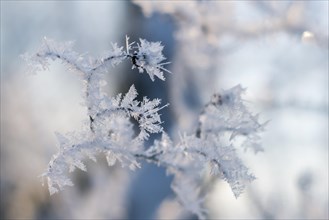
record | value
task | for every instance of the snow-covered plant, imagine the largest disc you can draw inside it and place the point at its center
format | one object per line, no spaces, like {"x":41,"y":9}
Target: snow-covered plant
{"x":223,"y":123}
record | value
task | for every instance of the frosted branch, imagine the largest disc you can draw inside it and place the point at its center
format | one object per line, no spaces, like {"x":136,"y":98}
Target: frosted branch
{"x":109,"y":129}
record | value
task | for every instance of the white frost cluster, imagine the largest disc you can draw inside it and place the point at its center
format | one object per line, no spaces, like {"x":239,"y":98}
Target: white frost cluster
{"x":110,"y":127}
{"x":227,"y":116}
{"x":212,"y":147}
{"x":147,"y":57}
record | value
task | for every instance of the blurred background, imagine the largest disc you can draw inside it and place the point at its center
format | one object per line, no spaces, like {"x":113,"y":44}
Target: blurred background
{"x":278,"y":50}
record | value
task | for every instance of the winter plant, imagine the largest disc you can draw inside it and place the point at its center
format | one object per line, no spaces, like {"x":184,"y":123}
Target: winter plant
{"x":223,"y":123}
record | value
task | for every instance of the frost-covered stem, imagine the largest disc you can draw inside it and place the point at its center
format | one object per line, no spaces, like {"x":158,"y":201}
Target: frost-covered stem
{"x":90,"y":73}
{"x":92,"y":106}
{"x":108,"y":60}
{"x":54,"y":54}
{"x":154,"y":158}
{"x":78,"y":67}
{"x":89,"y":107}
{"x":102,"y":63}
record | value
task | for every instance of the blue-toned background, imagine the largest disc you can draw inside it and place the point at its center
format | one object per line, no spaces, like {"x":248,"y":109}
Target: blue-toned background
{"x":280,"y":56}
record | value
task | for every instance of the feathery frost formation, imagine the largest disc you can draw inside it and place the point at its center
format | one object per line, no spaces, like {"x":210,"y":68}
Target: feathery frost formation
{"x":109,"y":129}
